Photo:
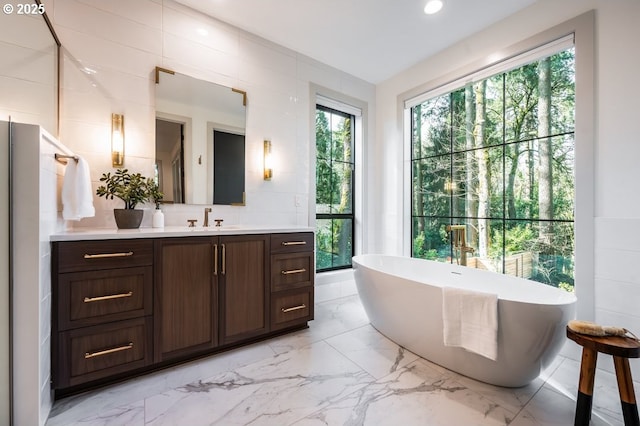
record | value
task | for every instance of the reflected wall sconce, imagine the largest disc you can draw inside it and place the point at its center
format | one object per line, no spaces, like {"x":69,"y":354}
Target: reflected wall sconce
{"x":450,"y":186}
{"x":117,"y":140}
{"x":268,"y":166}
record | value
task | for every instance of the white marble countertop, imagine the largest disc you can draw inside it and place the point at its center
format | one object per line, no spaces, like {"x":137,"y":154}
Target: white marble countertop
{"x":171,"y":231}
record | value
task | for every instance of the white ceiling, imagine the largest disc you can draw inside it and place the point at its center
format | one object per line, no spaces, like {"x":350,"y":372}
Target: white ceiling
{"x":370,"y":39}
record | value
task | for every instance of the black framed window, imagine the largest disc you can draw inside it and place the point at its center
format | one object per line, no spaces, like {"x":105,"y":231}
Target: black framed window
{"x":492,"y":173}
{"x":335,"y":168}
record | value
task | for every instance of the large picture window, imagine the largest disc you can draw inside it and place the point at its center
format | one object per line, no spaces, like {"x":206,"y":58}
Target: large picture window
{"x":492,"y":172}
{"x":334,"y":189}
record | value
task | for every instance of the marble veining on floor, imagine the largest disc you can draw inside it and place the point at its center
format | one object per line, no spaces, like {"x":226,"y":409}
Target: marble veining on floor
{"x":339,"y":371}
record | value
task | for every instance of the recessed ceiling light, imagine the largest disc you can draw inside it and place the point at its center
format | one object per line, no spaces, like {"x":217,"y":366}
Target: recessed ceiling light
{"x":433,"y":6}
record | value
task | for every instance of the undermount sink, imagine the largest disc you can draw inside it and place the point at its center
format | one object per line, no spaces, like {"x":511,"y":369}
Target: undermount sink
{"x":223,"y":227}
{"x":213,"y":228}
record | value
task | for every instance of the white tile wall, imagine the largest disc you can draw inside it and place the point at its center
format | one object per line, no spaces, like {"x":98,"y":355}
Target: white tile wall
{"x":36,"y":206}
{"x":116,"y":25}
{"x":27,"y":295}
{"x":122,"y":47}
{"x":28,"y":93}
{"x":617,"y":283}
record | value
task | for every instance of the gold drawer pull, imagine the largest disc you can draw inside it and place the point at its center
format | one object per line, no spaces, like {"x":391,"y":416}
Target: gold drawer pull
{"x":295,"y":308}
{"x":111,"y":296}
{"x":294,"y":243}
{"x":293,"y":271}
{"x":88,"y":355}
{"x":107,"y":255}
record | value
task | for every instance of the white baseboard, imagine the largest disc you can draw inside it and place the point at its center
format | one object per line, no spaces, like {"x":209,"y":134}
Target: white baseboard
{"x":334,"y":276}
{"x":334,"y":285}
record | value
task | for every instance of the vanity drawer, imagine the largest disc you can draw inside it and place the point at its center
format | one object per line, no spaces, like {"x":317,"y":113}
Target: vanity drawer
{"x":291,"y":308}
{"x":291,"y":270}
{"x":73,"y":256}
{"x":93,"y":353}
{"x":291,"y":242}
{"x":95,"y":297}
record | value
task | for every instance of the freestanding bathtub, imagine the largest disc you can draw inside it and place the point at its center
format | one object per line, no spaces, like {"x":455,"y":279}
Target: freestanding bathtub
{"x":403,"y":298}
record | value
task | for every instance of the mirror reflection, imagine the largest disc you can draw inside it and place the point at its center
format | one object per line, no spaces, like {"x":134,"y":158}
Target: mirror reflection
{"x":29,"y":64}
{"x":200,"y":140}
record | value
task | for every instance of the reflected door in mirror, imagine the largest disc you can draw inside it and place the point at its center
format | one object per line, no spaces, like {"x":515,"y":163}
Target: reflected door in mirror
{"x":228,"y":168}
{"x":169,"y":160}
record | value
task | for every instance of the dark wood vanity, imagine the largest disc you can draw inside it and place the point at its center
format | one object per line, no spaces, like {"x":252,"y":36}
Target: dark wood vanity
{"x":123,"y":307}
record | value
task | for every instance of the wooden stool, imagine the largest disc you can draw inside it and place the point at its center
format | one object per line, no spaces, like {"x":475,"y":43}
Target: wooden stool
{"x":622,"y":348}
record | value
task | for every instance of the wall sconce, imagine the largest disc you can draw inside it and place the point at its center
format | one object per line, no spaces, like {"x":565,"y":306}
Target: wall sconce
{"x":449,"y":186}
{"x":268,"y":166}
{"x":117,"y":140}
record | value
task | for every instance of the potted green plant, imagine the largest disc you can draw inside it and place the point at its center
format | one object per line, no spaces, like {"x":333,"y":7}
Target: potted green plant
{"x":132,"y":188}
{"x":156,"y":196}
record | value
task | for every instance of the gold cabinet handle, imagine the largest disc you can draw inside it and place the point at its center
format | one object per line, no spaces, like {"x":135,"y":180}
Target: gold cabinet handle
{"x":224,"y":259}
{"x":88,"y":355}
{"x":108,"y":255}
{"x":215,"y":259}
{"x":294,"y":243}
{"x":294,"y":308}
{"x":109,"y":297}
{"x":293,"y":271}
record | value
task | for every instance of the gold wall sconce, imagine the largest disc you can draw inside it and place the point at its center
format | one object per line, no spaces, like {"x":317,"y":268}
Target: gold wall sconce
{"x":268,"y":165}
{"x":450,"y":186}
{"x":117,"y":140}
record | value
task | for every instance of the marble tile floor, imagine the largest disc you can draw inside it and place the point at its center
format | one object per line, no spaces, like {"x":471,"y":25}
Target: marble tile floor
{"x":339,"y":371}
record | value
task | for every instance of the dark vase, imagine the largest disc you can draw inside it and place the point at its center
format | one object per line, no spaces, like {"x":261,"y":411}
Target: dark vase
{"x":128,"y":218}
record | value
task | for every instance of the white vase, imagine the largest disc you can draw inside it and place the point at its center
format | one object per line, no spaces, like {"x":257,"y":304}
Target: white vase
{"x":158,"y":219}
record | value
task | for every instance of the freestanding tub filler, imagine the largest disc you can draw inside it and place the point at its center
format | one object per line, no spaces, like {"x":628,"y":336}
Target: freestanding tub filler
{"x":403,"y":298}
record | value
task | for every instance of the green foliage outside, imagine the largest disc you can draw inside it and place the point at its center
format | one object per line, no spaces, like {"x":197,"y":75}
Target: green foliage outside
{"x":334,"y":198}
{"x":498,"y":157}
{"x":419,"y":250}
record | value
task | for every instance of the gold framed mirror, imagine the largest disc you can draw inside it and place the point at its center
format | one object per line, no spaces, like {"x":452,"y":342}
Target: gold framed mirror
{"x":200,"y":140}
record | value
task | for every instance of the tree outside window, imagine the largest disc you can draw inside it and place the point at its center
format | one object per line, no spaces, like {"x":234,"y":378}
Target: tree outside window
{"x":493,"y":173}
{"x":334,"y":189}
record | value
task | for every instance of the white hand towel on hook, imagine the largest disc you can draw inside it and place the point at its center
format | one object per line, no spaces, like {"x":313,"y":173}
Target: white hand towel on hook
{"x":77,"y":196}
{"x":470,"y":321}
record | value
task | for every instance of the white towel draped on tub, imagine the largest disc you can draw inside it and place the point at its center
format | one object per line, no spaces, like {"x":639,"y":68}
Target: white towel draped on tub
{"x":470,"y":320}
{"x":77,"y":196}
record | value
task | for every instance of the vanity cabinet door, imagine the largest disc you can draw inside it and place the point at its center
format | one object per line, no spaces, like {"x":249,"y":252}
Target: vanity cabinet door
{"x":244,"y":290}
{"x":186,"y":297}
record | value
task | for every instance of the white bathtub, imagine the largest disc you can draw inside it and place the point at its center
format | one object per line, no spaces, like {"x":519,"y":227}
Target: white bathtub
{"x":403,"y":298}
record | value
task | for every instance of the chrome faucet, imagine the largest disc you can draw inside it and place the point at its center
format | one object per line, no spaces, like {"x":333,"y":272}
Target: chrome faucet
{"x":207,"y":210}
